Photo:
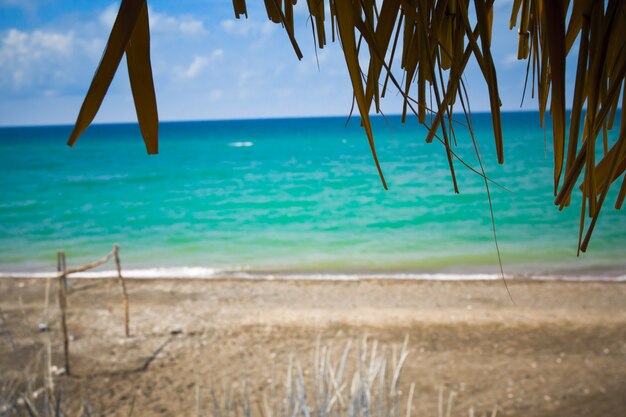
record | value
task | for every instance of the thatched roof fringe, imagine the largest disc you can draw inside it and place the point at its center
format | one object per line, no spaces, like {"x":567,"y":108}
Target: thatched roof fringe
{"x":437,"y":39}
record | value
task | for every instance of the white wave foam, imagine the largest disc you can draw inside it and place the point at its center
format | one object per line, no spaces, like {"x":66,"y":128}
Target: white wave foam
{"x":241,"y":144}
{"x":80,"y":178}
{"x":215,"y":273}
{"x":149,"y":273}
{"x":15,"y":204}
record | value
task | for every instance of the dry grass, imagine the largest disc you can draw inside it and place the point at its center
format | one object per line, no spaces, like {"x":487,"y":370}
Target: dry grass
{"x":369,"y":386}
{"x":33,"y":393}
{"x":331,"y":387}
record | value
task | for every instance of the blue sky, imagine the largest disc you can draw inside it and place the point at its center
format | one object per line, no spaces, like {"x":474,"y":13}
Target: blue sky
{"x":207,"y":64}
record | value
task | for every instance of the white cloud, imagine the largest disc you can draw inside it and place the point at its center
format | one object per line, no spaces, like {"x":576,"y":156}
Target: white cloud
{"x":216,"y":94}
{"x":26,"y":56}
{"x":284,"y":93}
{"x":198,"y":65}
{"x":57,"y":59}
{"x":159,"y":22}
{"x":165,"y":23}
{"x":248,"y":27}
{"x":228,"y":25}
{"x":192,"y":27}
{"x":244,"y":76}
{"x":510,"y":60}
{"x":107,"y":17}
{"x":194,"y":69}
{"x":268,"y":27}
{"x":37,"y":43}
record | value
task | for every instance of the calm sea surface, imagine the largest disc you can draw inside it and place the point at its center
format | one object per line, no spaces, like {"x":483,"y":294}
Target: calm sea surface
{"x":292,"y":196}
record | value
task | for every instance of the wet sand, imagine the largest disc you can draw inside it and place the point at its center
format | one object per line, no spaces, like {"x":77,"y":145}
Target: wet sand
{"x":560,"y":350}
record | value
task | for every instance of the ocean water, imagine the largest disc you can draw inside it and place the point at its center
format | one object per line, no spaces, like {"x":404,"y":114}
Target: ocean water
{"x":293,"y":197}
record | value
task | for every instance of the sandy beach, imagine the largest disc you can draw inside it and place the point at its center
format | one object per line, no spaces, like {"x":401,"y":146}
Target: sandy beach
{"x":559,"y":350}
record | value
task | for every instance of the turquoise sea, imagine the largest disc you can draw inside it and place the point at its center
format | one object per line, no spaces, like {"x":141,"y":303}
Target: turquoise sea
{"x":295,"y":197}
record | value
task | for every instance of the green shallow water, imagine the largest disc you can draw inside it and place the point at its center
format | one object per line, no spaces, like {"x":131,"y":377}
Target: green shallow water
{"x":291,"y":195}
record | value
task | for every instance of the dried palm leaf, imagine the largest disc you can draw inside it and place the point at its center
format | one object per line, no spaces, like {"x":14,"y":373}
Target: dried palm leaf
{"x":131,"y":21}
{"x":141,"y":83}
{"x":600,"y":74}
{"x":437,"y":39}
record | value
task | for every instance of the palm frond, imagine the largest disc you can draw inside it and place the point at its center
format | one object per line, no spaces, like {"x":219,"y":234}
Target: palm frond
{"x":130,"y":35}
{"x":600,"y":72}
{"x":438,"y":38}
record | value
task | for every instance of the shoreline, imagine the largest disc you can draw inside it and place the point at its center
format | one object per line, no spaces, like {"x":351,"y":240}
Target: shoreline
{"x":208,"y":274}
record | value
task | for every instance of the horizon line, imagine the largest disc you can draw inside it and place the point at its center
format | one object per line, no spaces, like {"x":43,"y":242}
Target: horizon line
{"x":242,"y":119}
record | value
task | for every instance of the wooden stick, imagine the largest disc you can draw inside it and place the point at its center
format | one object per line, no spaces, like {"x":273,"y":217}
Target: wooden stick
{"x":90,"y":265}
{"x":62,"y":284}
{"x":46,"y":300}
{"x":120,"y":279}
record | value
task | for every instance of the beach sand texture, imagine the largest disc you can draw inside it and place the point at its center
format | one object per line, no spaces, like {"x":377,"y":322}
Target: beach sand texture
{"x":560,"y":350}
